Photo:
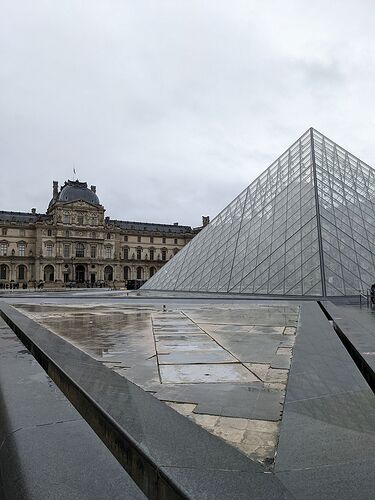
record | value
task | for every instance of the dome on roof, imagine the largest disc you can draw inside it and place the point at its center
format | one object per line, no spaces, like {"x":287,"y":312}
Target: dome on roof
{"x":77,"y":191}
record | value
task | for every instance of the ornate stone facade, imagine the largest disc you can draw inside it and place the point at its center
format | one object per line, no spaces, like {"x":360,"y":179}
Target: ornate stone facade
{"x":75,"y":244}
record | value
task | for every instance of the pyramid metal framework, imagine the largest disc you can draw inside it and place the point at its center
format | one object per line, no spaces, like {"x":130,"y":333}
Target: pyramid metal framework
{"x":305,"y":226}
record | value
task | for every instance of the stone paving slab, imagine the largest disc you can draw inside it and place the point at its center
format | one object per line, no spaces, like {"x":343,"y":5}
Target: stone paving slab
{"x":202,"y":373}
{"x":281,"y":361}
{"x":242,"y":400}
{"x":201,"y":357}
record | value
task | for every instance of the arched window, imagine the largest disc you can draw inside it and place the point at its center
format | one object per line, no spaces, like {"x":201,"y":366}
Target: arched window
{"x":126,"y":273}
{"x":80,"y":250}
{"x":139,"y":273}
{"x":49,"y":273}
{"x":4,"y":272}
{"x":108,"y":273}
{"x":21,"y":275}
{"x":152,"y":271}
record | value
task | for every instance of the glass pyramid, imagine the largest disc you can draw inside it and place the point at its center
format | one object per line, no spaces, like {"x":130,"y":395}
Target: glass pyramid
{"x":305,"y":226}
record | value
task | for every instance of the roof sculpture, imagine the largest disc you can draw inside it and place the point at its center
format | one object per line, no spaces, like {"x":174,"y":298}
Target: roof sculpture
{"x":304,"y":227}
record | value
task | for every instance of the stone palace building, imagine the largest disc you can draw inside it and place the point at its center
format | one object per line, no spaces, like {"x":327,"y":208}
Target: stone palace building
{"x":74,"y":244}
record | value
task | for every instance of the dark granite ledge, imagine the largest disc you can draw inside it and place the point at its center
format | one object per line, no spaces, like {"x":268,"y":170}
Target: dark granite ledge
{"x":356,"y":329}
{"x":47,"y":450}
{"x":327,"y":439}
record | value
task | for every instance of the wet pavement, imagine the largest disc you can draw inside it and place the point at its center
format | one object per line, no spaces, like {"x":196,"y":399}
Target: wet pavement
{"x":225,"y":366}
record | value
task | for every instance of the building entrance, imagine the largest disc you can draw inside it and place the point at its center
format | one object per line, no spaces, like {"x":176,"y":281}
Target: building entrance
{"x":80,"y":273}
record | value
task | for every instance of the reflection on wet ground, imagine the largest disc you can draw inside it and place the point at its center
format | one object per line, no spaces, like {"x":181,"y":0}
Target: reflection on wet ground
{"x":223,"y":366}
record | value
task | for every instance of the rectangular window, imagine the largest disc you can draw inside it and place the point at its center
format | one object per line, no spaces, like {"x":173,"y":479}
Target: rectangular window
{"x":3,"y":248}
{"x":4,"y":231}
{"x":66,"y":219}
{"x":108,"y":252}
{"x":164,"y":240}
{"x":139,"y":239}
{"x":49,"y":249}
{"x":93,"y":252}
{"x":139,"y":253}
{"x":3,"y":272}
{"x":22,"y":232}
{"x":21,"y":273}
{"x":163,"y":255}
{"x":126,"y":237}
{"x":151,"y":239}
{"x":175,"y":241}
{"x":80,"y":250}
{"x":152,"y":254}
{"x":21,"y":249}
{"x":80,"y":220}
{"x":66,"y":251}
{"x":126,"y":253}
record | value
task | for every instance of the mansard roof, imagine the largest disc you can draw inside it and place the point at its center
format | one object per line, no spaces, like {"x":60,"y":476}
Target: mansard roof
{"x":151,"y":227}
{"x":21,"y":217}
{"x":24,"y":217}
{"x":76,"y":191}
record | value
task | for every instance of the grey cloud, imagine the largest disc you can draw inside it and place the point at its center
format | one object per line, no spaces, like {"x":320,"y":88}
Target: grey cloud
{"x":172,"y":108}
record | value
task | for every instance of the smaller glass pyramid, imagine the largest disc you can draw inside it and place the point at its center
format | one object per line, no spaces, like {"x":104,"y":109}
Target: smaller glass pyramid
{"x":305,"y":226}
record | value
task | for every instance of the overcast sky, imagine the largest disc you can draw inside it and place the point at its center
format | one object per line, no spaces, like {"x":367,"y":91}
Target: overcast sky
{"x":172,"y":107}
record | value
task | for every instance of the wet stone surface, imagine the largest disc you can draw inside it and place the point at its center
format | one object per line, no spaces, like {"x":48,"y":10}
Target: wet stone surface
{"x":223,"y":366}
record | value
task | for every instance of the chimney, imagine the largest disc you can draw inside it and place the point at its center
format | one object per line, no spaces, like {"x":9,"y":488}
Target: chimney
{"x":33,"y":210}
{"x":55,"y":192}
{"x":93,"y":189}
{"x":175,"y":223}
{"x":205,"y":220}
